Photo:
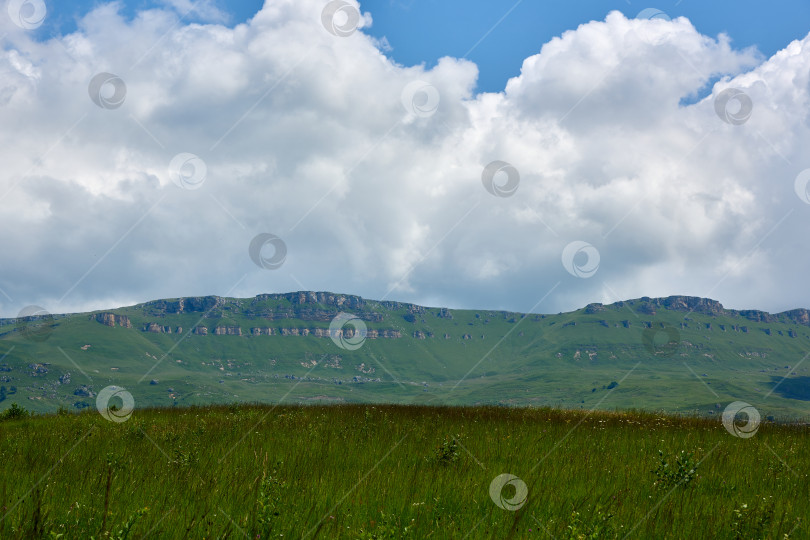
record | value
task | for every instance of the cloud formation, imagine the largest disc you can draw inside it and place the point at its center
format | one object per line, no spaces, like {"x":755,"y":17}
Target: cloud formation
{"x":371,"y":172}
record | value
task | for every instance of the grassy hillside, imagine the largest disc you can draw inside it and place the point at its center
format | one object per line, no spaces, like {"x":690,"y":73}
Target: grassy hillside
{"x":677,"y":354}
{"x":355,"y":471}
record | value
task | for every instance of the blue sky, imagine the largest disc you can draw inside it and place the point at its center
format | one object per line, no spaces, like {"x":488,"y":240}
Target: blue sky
{"x":426,"y":30}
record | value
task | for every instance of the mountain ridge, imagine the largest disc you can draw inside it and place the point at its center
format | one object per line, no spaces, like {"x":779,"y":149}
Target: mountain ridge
{"x":676,"y":353}
{"x":691,"y":304}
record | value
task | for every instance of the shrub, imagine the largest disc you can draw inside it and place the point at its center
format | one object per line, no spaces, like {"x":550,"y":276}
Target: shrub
{"x":750,"y":522}
{"x":13,"y":413}
{"x":681,"y":473}
{"x":270,"y":499}
{"x":447,"y":452}
{"x":387,"y":528}
{"x":599,"y":526}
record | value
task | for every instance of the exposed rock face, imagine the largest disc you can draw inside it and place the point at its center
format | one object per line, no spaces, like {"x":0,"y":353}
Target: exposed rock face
{"x":197,"y":304}
{"x":594,"y":308}
{"x":111,"y":319}
{"x":758,"y":316}
{"x":262,"y":331}
{"x":445,"y":313}
{"x":341,"y":301}
{"x":269,"y":331}
{"x":156,"y":328}
{"x":799,"y":316}
{"x":419,"y":334}
{"x":647,"y":308}
{"x":227,"y":331}
{"x":84,"y":391}
{"x":694,"y":304}
{"x":708,"y":306}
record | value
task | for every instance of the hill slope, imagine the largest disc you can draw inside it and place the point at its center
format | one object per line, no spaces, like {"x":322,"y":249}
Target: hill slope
{"x":677,"y":354}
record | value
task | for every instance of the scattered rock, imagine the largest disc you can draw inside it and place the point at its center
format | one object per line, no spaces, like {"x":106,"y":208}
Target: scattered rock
{"x":84,"y":391}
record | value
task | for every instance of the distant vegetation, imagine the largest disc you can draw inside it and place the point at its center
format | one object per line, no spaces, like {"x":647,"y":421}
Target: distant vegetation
{"x":361,"y":472}
{"x":678,"y":354}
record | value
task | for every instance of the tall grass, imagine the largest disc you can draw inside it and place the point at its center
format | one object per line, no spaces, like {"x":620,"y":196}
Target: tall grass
{"x":397,"y":471}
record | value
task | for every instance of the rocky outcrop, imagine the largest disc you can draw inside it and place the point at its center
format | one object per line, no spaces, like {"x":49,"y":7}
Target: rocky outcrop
{"x":84,"y":391}
{"x":647,"y":308}
{"x":385,"y":334}
{"x":227,"y":331}
{"x":758,"y":316}
{"x":798,"y":316}
{"x":156,"y":328}
{"x":195,"y":304}
{"x":694,"y":304}
{"x":419,"y":334}
{"x":111,"y":319}
{"x":594,"y":308}
{"x":262,"y":331}
{"x":269,"y":331}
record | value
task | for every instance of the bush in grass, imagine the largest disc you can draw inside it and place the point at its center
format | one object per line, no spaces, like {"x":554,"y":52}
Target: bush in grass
{"x":752,"y":521}
{"x":680,"y":473}
{"x":14,"y":412}
{"x":387,"y":527}
{"x":269,"y":500}
{"x":446,"y":452}
{"x":599,"y":526}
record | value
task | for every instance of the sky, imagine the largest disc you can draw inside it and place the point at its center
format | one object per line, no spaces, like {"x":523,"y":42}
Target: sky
{"x":529,"y":156}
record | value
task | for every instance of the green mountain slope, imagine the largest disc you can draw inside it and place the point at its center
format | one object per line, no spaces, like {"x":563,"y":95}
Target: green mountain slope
{"x":675,"y":354}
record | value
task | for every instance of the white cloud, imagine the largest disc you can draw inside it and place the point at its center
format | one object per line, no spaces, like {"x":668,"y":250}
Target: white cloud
{"x":304,"y":135}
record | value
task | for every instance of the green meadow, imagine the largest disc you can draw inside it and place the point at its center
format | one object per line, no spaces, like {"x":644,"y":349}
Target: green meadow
{"x":392,"y":471}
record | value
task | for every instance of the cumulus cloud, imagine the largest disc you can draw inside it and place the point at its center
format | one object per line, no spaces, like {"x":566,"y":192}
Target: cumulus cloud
{"x":371,"y":171}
